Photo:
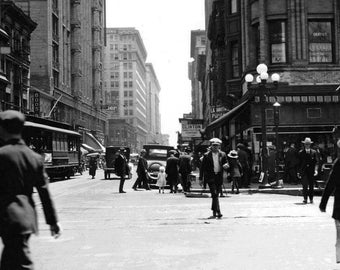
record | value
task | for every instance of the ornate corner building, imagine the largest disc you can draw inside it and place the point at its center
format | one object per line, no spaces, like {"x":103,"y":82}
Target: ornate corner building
{"x":299,"y":40}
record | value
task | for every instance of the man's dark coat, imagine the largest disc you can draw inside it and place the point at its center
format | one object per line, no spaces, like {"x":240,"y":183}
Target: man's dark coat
{"x":21,"y":169}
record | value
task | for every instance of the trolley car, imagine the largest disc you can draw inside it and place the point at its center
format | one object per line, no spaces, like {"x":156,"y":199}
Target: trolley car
{"x":59,"y":146}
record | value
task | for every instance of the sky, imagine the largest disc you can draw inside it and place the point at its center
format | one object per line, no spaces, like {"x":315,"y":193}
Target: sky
{"x":164,"y":26}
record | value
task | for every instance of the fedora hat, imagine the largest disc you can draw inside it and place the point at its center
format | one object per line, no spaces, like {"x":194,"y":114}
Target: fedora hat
{"x":233,"y":154}
{"x":215,"y":141}
{"x":307,"y":141}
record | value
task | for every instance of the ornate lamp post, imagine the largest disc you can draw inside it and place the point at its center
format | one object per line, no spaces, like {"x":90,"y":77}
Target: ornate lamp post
{"x":262,"y":88}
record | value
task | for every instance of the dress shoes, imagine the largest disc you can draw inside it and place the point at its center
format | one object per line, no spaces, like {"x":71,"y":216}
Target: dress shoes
{"x":304,"y":201}
{"x":122,"y":191}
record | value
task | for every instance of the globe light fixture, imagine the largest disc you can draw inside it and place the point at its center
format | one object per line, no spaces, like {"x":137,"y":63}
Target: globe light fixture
{"x":261,"y":68}
{"x":249,"y":78}
{"x":264,"y":76}
{"x":275,"y":77}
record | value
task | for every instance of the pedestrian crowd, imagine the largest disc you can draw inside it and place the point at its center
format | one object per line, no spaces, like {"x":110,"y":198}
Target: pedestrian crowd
{"x":22,"y":169}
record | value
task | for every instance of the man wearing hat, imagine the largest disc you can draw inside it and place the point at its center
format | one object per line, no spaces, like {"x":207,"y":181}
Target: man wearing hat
{"x":185,"y":168}
{"x":308,"y":169}
{"x":21,"y":170}
{"x":171,"y":170}
{"x":142,"y":169}
{"x":122,"y":168}
{"x":212,"y":170}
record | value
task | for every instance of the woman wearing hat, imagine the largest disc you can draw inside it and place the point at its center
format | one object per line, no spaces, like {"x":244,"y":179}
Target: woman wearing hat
{"x":308,"y":169}
{"x":333,"y":185}
{"x":235,"y":170}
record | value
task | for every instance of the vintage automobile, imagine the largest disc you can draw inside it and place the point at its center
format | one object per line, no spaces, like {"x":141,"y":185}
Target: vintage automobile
{"x":110,"y":157}
{"x":156,"y":156}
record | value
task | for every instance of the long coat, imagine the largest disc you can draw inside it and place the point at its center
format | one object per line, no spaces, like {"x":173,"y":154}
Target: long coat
{"x":142,"y":167}
{"x":207,"y":167}
{"x":21,"y":170}
{"x":333,"y":185}
{"x":121,"y":166}
{"x":171,"y":169}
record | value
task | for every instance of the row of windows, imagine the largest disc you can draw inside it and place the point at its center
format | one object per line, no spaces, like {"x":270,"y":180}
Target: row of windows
{"x":126,"y":66}
{"x":124,"y":47}
{"x":121,"y":56}
{"x":300,"y":99}
{"x":126,"y":75}
{"x":126,"y":84}
{"x":311,"y":113}
{"x":320,"y":41}
{"x":320,"y":44}
{"x":128,"y":112}
{"x":121,"y":37}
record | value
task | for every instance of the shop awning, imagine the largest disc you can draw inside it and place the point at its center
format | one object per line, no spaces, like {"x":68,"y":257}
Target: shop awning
{"x":91,"y":141}
{"x":227,"y":116}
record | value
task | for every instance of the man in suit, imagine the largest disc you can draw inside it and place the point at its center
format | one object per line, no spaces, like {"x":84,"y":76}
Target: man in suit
{"x":212,"y":168}
{"x":308,"y":169}
{"x":142,"y":169}
{"x":171,"y":170}
{"x":122,"y":168}
{"x":21,"y":170}
{"x":291,"y":163}
{"x":185,"y":169}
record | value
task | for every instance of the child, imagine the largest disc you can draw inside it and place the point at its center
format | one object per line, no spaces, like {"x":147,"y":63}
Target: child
{"x":161,"y":181}
{"x":235,"y":170}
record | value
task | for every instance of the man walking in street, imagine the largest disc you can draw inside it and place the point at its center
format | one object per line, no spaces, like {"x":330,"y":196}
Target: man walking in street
{"x":308,"y":169}
{"x":212,"y":169}
{"x":21,"y":170}
{"x":142,"y":169}
{"x":122,"y":168}
{"x":171,"y":170}
{"x":185,"y":168}
{"x":244,"y":160}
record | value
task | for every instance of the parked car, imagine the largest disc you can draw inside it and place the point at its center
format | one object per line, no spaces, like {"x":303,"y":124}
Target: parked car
{"x":156,"y":156}
{"x":110,"y":157}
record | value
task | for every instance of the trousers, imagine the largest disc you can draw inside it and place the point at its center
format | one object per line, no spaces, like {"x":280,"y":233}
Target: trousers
{"x":16,"y":254}
{"x":214,"y":186}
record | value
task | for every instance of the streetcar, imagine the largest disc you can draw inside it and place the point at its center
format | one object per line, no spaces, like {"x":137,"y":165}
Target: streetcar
{"x":57,"y":143}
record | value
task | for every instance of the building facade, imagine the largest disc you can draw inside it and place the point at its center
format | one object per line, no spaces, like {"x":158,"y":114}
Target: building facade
{"x":152,"y":105}
{"x":15,"y":36}
{"x":299,"y":40}
{"x":125,"y":80}
{"x":197,"y":54}
{"x":67,"y":55}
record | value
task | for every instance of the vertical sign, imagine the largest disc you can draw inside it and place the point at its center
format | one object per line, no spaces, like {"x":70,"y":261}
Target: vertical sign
{"x":36,"y":103}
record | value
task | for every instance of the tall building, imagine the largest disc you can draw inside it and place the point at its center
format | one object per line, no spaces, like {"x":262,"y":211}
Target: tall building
{"x":152,"y":105}
{"x":299,"y":40}
{"x":15,"y":37}
{"x":125,"y":81}
{"x":197,"y":54}
{"x":66,"y":56}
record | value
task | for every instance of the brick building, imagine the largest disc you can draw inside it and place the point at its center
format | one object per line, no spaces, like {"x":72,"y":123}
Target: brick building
{"x":299,"y":40}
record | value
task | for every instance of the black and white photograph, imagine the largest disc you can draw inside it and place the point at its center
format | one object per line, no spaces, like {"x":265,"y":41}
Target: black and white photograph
{"x":169,"y":135}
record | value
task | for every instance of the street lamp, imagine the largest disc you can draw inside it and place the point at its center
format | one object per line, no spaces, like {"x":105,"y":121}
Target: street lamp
{"x":276,"y":123}
{"x":262,"y":88}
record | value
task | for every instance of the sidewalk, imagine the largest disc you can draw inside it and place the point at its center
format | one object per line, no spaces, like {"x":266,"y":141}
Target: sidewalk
{"x":287,"y":189}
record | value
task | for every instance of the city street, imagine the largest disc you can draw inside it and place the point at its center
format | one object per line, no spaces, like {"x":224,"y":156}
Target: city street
{"x":147,"y":230}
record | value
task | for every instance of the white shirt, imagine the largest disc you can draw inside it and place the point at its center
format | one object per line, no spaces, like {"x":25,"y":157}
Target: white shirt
{"x":217,"y":167}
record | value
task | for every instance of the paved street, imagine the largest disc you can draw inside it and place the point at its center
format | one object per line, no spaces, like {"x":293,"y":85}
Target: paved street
{"x":147,"y":230}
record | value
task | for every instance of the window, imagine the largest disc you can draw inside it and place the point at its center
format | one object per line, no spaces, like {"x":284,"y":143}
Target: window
{"x":234,"y":60}
{"x":277,"y":37}
{"x":125,"y":84}
{"x":130,"y":84}
{"x":130,"y":94}
{"x":125,"y":93}
{"x":233,"y":6}
{"x":131,"y":112}
{"x":313,"y":112}
{"x":126,"y":112}
{"x":125,"y":75}
{"x":320,"y":42}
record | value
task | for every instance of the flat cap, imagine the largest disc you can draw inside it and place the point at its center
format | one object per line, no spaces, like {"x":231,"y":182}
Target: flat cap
{"x":215,"y":141}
